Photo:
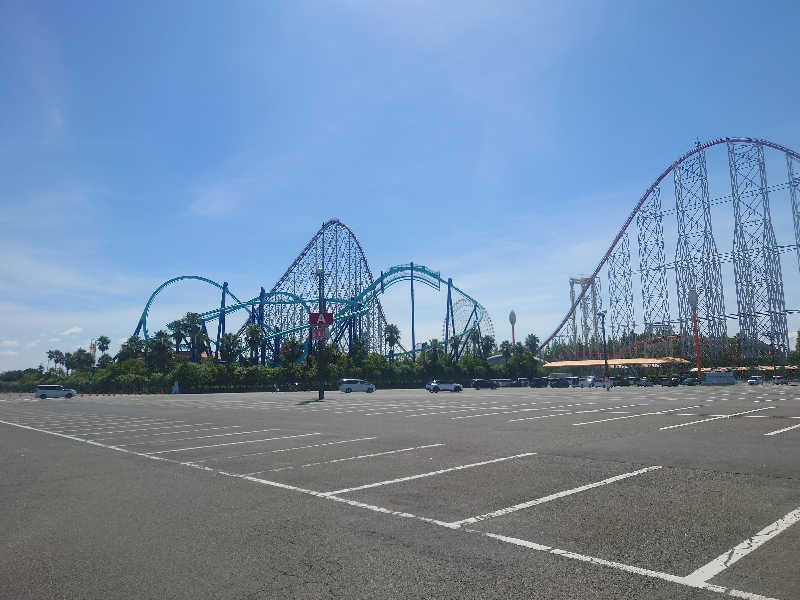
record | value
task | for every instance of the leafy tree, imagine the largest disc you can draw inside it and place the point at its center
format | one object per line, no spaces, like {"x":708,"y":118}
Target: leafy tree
{"x":193,"y":324}
{"x":532,"y":343}
{"x":104,"y":361}
{"x":254,"y":337}
{"x":434,"y":350}
{"x":392,"y":336}
{"x":159,"y":351}
{"x":230,"y":346}
{"x":505,"y":349}
{"x":131,"y":348}
{"x":455,"y":343}
{"x":487,"y":345}
{"x":178,"y":330}
{"x":291,"y":351}
{"x":80,"y":360}
{"x":51,"y":354}
{"x":103,"y":343}
{"x":475,"y":338}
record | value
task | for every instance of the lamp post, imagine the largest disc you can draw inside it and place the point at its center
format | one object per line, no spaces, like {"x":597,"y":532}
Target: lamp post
{"x":602,"y":315}
{"x":321,"y":357}
{"x":692,"y":297}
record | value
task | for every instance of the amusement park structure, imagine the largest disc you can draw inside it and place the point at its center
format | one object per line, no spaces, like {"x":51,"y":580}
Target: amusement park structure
{"x":350,"y":292}
{"x":721,"y":191}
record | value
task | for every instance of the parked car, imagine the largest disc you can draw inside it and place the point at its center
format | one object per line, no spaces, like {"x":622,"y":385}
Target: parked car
{"x":559,"y":382}
{"x":483,"y":383}
{"x":539,"y":382}
{"x":620,"y":381}
{"x":670,"y":381}
{"x":779,"y":380}
{"x":755,"y":380}
{"x":435,"y":387}
{"x":54,"y":391}
{"x":644,"y":382}
{"x":523,"y":382}
{"x":589,"y":381}
{"x":690,"y":381}
{"x":503,"y":382}
{"x":356,"y":385}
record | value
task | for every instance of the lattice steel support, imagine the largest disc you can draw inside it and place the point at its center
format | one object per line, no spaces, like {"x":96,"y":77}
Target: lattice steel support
{"x":620,"y":292}
{"x":794,"y":194}
{"x":696,"y":259}
{"x":757,"y":266}
{"x":653,"y":271}
{"x":591,"y":303}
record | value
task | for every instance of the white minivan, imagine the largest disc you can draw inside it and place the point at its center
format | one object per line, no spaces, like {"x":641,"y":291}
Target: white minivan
{"x":356,"y":385}
{"x":54,"y":391}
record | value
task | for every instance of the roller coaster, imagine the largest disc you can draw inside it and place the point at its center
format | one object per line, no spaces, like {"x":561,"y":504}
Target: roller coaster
{"x":704,"y":183}
{"x":350,"y":292}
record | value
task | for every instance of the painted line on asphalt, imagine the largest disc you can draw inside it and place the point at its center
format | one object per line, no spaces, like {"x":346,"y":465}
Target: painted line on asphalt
{"x":647,"y":414}
{"x":523,"y":505}
{"x":283,"y":437}
{"x":715,"y":418}
{"x":577,"y":412}
{"x":725,"y":560}
{"x":174,"y":432}
{"x":686,"y":581}
{"x":428,"y":474}
{"x":782,"y":430}
{"x":349,"y":458}
{"x":279,"y":450}
{"x":200,"y":437}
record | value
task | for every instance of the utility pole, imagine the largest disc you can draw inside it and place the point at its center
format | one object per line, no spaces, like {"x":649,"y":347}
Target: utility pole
{"x":602,"y":315}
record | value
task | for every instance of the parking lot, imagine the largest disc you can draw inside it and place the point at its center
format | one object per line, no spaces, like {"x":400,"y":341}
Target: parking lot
{"x":658,"y":492}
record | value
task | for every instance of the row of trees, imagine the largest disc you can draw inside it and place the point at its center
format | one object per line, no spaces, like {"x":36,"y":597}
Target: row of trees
{"x":153,"y":365}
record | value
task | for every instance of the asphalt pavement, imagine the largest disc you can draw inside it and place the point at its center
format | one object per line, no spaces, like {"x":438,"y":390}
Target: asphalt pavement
{"x":659,"y":492}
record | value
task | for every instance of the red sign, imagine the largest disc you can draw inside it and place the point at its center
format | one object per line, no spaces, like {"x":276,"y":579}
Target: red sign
{"x":325,"y":318}
{"x":319,"y":334}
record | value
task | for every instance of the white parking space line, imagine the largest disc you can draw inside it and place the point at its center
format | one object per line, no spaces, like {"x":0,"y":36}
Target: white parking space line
{"x":349,"y":458}
{"x":149,"y":435}
{"x":138,"y":429}
{"x":782,"y":430}
{"x":647,"y":414}
{"x":428,"y":474}
{"x":283,"y":437}
{"x":279,"y":450}
{"x":725,"y":560}
{"x":199,"y":437}
{"x":551,"y":497}
{"x":714,"y":418}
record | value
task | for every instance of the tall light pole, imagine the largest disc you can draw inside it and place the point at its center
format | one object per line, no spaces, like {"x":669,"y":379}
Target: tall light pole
{"x":602,"y":315}
{"x":321,"y":357}
{"x":693,"y":303}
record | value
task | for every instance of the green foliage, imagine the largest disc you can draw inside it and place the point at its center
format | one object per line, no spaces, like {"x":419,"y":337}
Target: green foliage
{"x":230,"y":346}
{"x":103,"y":343}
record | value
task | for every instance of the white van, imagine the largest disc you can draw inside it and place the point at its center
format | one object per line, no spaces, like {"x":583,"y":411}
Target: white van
{"x":54,"y":391}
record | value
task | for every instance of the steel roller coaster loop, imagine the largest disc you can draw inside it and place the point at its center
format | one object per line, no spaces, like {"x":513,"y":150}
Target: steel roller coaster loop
{"x":699,"y":148}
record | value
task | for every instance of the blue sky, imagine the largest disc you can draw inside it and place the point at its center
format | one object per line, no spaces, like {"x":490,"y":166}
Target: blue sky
{"x":500,"y":142}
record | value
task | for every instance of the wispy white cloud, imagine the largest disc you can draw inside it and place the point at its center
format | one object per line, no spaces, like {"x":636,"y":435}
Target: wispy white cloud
{"x":9,"y":343}
{"x":54,"y":339}
{"x":8,"y":353}
{"x":72,"y":330}
{"x":32,"y":344}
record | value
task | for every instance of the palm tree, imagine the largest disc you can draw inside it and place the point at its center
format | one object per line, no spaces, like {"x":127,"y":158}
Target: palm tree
{"x":455,"y":342}
{"x":475,"y":338}
{"x":58,"y":358}
{"x":392,"y":336}
{"x":193,"y":329}
{"x":229,"y":348}
{"x":51,"y":354}
{"x":178,"y":330}
{"x":254,"y":337}
{"x":532,"y":343}
{"x":103,"y":343}
{"x":434,"y":349}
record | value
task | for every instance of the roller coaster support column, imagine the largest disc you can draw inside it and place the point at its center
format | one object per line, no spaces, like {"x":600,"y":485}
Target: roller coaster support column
{"x":448,"y":313}
{"x":221,"y":324}
{"x":276,"y":352}
{"x":413,"y":334}
{"x":263,"y":353}
{"x":607,"y":380}
{"x":322,"y":365}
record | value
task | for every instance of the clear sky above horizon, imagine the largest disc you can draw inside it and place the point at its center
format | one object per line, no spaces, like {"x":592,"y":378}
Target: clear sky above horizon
{"x":502,"y":143}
